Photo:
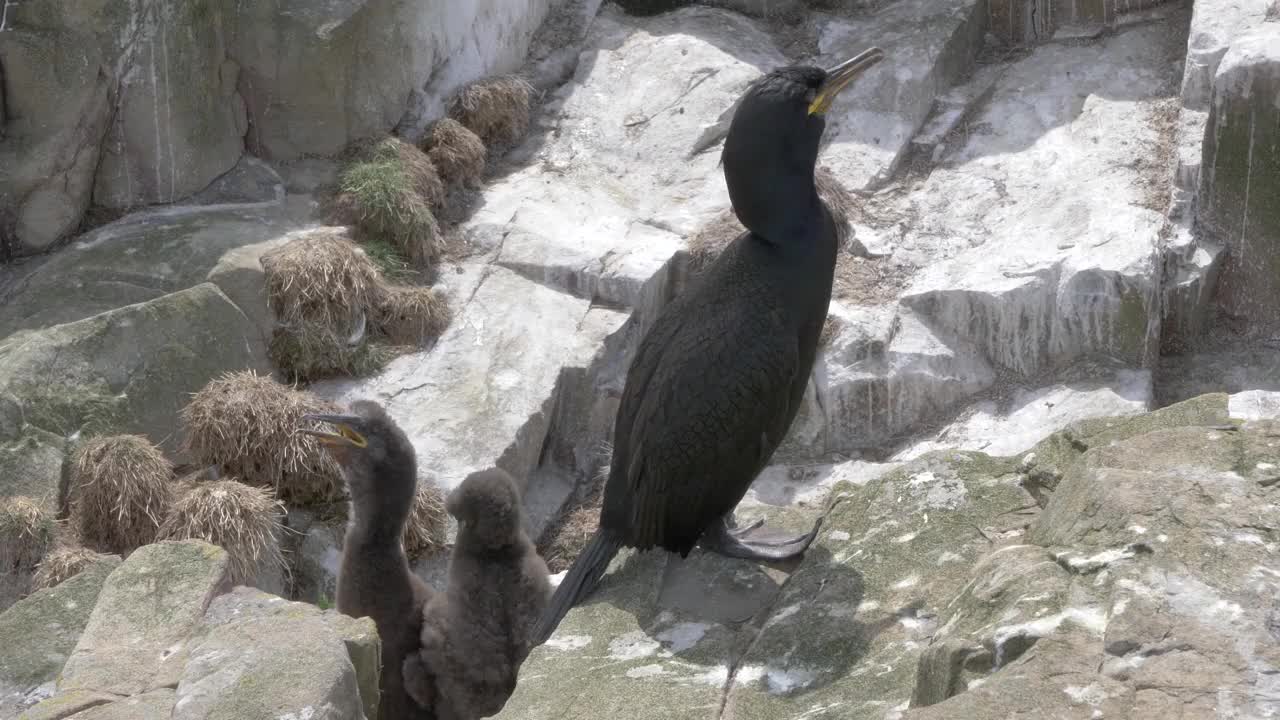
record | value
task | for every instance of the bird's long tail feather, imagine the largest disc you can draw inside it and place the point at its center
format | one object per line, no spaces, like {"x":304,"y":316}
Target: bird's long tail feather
{"x":582,"y":578}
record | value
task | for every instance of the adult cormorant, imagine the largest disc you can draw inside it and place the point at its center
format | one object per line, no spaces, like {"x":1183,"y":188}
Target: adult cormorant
{"x":374,"y":580}
{"x":717,"y":380}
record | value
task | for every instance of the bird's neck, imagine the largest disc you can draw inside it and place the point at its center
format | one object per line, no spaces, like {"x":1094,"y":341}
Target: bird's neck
{"x":377,"y":526}
{"x":784,"y":216}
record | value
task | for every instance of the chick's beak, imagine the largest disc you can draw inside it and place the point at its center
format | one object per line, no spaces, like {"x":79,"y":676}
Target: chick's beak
{"x":840,"y":76}
{"x":346,"y":437}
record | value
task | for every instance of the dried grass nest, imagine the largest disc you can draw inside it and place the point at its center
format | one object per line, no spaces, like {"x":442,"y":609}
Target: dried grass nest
{"x":306,"y":352}
{"x":410,"y":315}
{"x":390,"y":194}
{"x":120,"y":489}
{"x":64,"y":563}
{"x":495,"y":109}
{"x":458,"y":154}
{"x":246,"y":424}
{"x":427,"y":530}
{"x":243,"y":520}
{"x":26,"y":532}
{"x":320,"y":277}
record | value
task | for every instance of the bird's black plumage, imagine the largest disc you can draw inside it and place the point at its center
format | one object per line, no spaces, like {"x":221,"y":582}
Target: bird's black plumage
{"x":374,"y":580}
{"x":718,"y":378}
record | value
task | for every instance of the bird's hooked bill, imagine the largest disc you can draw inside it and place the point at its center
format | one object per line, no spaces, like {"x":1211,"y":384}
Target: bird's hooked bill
{"x":347,"y":435}
{"x":841,"y":75}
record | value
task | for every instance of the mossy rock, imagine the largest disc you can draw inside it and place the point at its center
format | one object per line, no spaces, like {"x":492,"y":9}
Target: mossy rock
{"x":42,"y":629}
{"x":129,"y":370}
{"x":1047,"y":463}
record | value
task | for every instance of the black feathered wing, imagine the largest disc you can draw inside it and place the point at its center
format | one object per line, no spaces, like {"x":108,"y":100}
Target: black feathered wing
{"x":708,"y":398}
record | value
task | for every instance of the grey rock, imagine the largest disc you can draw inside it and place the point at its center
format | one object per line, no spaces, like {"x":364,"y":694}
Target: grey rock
{"x":936,"y":591}
{"x":1241,"y":171}
{"x":1192,"y":268}
{"x":147,"y":610}
{"x":250,"y":181}
{"x":153,"y":705}
{"x":147,"y":255}
{"x":585,"y":215}
{"x":1215,"y":25}
{"x":294,"y":56}
{"x":928,"y":46}
{"x":31,"y":464}
{"x":1254,"y":405}
{"x":486,"y":392}
{"x":178,"y":122}
{"x":1022,"y":22}
{"x":90,"y":110}
{"x":41,"y":631}
{"x":1046,"y":266}
{"x":129,"y":370}
{"x":259,"y":657}
{"x":872,"y":388}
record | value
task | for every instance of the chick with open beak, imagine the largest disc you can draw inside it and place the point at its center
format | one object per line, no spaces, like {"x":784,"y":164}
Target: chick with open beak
{"x":380,"y":468}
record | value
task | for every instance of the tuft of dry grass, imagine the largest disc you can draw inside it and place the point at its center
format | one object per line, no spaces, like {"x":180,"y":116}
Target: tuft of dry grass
{"x":571,"y":536}
{"x":428,"y":526}
{"x":120,"y":488}
{"x":390,"y":195}
{"x":862,"y":281}
{"x":495,"y":109}
{"x":837,"y":198}
{"x":711,"y":240}
{"x":319,"y":277}
{"x":246,"y":424}
{"x":411,"y":315}
{"x":26,"y":532}
{"x":457,"y":153}
{"x":243,"y":520}
{"x":305,"y":353}
{"x":423,"y":175}
{"x":64,"y":563}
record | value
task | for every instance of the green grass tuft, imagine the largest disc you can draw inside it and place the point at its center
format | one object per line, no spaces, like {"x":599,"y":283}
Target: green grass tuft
{"x":389,"y":197}
{"x":391,"y":263}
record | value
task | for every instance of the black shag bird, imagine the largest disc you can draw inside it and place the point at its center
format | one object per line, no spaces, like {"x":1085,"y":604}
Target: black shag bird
{"x":374,"y":580}
{"x":717,"y":380}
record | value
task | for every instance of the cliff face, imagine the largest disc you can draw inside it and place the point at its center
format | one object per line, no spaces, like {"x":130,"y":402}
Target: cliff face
{"x":124,"y":104}
{"x":1045,"y":399}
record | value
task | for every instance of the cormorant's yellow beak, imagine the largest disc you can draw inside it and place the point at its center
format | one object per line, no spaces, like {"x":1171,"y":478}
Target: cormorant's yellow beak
{"x":347,"y":435}
{"x":840,"y":76}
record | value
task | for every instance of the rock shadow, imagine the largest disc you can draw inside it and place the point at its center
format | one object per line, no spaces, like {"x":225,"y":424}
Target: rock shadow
{"x":714,"y":612}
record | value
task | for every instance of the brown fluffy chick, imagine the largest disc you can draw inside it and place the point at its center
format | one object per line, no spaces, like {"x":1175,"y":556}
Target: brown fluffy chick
{"x":475,"y":635}
{"x":380,"y":467}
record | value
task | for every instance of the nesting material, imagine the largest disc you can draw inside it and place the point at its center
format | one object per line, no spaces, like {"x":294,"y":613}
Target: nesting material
{"x":246,"y":424}
{"x":319,"y":277}
{"x":711,"y":239}
{"x":427,"y":529}
{"x":305,"y":353}
{"x":423,"y":175}
{"x":411,"y":315}
{"x":26,"y":532}
{"x":64,"y":563}
{"x":243,"y":520}
{"x":837,"y":199}
{"x":457,"y":153}
{"x":390,"y":196}
{"x":496,"y":109}
{"x":120,"y":489}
